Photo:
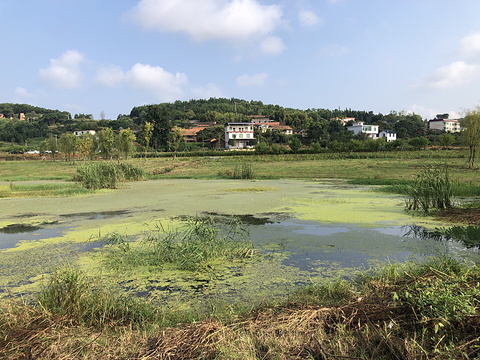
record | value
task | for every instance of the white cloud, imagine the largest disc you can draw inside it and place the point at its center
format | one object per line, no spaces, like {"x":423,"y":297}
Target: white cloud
{"x":64,"y":72}
{"x":22,"y":93}
{"x":208,"y":91}
{"x":165,"y":85}
{"x":252,"y":80}
{"x":110,"y":76}
{"x":308,"y":18}
{"x":457,"y":73}
{"x":470,"y":45}
{"x":272,"y":45}
{"x":427,"y":113}
{"x":208,"y":19}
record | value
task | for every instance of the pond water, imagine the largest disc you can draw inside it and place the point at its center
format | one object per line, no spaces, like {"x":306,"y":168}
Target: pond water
{"x":304,"y":232}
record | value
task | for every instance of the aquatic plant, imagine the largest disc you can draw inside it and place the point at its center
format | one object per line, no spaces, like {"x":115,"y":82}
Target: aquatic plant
{"x":107,"y":175}
{"x":243,"y":171}
{"x":432,"y":189}
{"x":193,"y":247}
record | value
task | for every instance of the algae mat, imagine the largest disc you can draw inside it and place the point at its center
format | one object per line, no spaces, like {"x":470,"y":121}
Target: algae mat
{"x":315,"y":231}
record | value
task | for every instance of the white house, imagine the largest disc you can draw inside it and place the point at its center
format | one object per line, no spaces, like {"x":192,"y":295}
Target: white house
{"x":81,"y":132}
{"x":389,"y":135}
{"x":238,"y":135}
{"x":447,"y":125}
{"x":370,"y":130}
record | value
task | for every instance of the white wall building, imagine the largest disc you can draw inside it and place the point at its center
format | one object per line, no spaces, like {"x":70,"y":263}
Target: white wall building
{"x":81,"y":132}
{"x":447,"y":125}
{"x":238,"y":135}
{"x":370,"y":130}
{"x":389,"y":135}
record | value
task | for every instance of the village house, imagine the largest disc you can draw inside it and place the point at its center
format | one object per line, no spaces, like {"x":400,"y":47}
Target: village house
{"x":370,"y":131}
{"x":389,"y":135}
{"x":447,"y":125}
{"x":79,"y":133}
{"x":238,"y":135}
{"x":272,"y":125}
{"x":345,"y":120}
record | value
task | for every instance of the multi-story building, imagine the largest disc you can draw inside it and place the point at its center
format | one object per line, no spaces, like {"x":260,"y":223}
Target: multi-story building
{"x":447,"y":125}
{"x":370,"y":130}
{"x":238,"y":135}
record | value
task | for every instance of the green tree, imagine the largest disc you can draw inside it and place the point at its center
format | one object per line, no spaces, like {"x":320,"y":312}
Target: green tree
{"x":67,"y":144}
{"x":419,"y":142}
{"x":162,"y":126}
{"x":124,"y":143}
{"x":471,"y":134}
{"x":295,"y":144}
{"x":106,"y":138}
{"x":147,"y":135}
{"x":85,"y":146}
{"x":446,"y":139}
{"x":177,"y":138}
{"x":52,"y":145}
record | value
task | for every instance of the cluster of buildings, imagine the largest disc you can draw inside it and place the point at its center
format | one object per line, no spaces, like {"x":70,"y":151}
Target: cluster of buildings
{"x":239,"y":135}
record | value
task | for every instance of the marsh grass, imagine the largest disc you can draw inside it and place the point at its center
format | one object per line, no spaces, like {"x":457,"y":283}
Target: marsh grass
{"x":40,"y":190}
{"x":108,"y":175}
{"x":423,"y":310}
{"x":196,"y":246}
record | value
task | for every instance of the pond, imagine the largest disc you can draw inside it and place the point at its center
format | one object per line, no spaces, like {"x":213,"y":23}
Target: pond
{"x":304,"y":233}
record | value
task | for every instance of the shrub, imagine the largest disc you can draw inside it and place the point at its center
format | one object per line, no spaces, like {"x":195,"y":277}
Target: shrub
{"x":107,"y":175}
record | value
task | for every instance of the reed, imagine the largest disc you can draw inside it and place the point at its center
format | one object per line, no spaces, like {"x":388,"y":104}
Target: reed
{"x":194,"y":247}
{"x":107,"y":175}
{"x":431,"y":190}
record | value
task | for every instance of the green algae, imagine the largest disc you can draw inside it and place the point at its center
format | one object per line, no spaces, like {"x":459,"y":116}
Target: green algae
{"x":139,"y":206}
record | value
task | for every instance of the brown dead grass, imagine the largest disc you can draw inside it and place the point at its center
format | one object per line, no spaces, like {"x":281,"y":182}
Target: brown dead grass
{"x":469,"y":216}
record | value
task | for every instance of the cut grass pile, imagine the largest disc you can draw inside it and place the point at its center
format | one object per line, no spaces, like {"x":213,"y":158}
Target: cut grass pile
{"x":410,"y":311}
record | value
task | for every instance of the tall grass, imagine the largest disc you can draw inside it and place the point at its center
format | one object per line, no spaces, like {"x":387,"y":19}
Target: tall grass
{"x":243,"y":171}
{"x":194,"y":247}
{"x":431,"y":190}
{"x":107,"y":175}
{"x":69,"y":293}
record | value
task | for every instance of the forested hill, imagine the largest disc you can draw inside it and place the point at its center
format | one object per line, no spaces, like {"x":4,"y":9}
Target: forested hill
{"x":41,"y":122}
{"x":225,"y":110}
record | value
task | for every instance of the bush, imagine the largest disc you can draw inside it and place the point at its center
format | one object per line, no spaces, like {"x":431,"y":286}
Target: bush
{"x":107,"y":175}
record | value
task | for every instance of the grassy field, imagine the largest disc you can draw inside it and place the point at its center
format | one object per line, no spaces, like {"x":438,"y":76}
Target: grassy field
{"x":391,"y":165}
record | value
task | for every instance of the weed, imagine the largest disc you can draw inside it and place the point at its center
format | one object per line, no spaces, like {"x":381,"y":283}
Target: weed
{"x":431,"y":190}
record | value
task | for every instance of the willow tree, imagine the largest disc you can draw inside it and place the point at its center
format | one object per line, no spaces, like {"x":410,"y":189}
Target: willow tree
{"x":471,"y":134}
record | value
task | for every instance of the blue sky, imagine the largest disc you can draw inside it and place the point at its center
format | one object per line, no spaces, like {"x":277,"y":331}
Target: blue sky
{"x":94,"y":56}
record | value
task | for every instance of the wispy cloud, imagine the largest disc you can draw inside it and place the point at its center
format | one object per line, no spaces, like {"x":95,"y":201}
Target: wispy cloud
{"x":272,"y":45}
{"x":309,"y":18}
{"x":470,"y":45}
{"x":457,"y":73}
{"x":252,"y":80}
{"x":208,"y":91}
{"x":110,"y":76}
{"x":64,"y":71}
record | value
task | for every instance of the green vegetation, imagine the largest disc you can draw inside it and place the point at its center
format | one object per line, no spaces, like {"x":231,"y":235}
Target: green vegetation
{"x":198,"y":246}
{"x":107,"y":175}
{"x":431,"y":190}
{"x":39,"y":190}
{"x":410,"y":311}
